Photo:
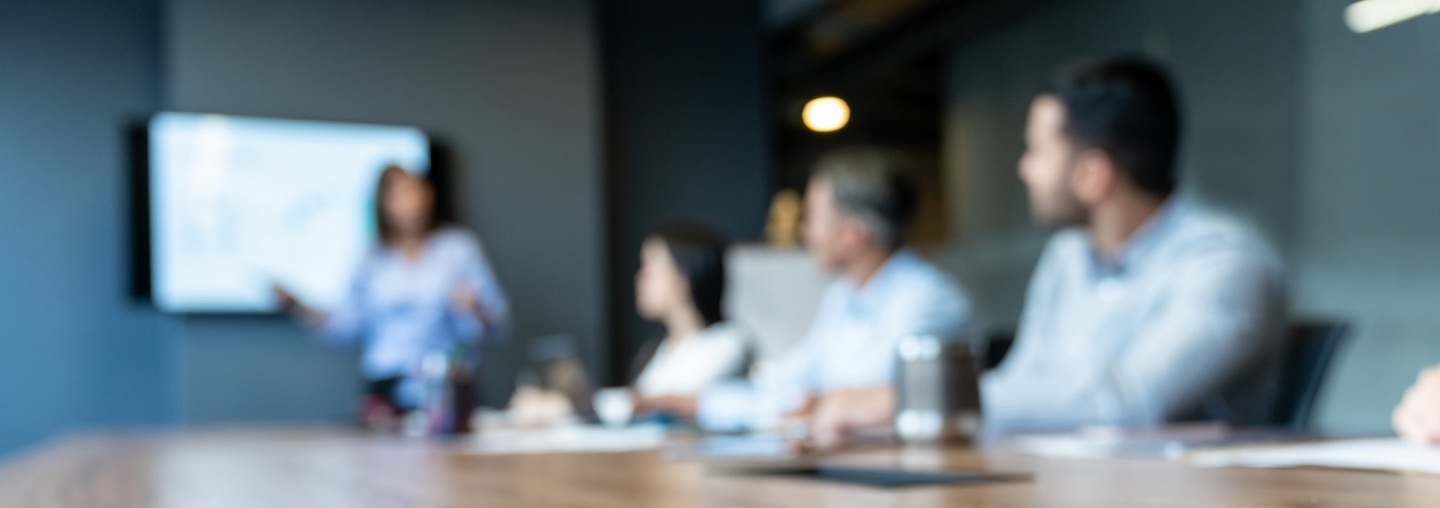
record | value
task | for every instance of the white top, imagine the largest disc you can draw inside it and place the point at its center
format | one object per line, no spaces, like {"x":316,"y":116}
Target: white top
{"x":693,"y":364}
{"x":1184,"y":323}
{"x":851,"y":344}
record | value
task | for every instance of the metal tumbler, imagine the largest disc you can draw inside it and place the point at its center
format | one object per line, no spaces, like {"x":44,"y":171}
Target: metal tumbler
{"x":937,"y":390}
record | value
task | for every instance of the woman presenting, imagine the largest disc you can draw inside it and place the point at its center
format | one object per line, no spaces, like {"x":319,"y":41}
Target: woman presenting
{"x":424,"y":288}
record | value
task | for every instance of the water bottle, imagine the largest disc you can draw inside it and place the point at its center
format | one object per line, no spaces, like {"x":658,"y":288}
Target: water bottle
{"x":435,"y":371}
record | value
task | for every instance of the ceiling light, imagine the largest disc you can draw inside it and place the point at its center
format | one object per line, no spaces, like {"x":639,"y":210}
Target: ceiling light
{"x":1369,"y":15}
{"x":826,"y":114}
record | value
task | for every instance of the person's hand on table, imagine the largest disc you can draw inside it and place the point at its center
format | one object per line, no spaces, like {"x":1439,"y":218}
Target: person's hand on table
{"x":1417,"y":418}
{"x":533,"y":408}
{"x":682,"y":406}
{"x":835,"y":417}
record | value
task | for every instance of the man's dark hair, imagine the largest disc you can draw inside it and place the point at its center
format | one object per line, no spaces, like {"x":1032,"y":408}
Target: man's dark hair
{"x":699,"y":253}
{"x":1127,"y":108}
{"x":878,"y":186}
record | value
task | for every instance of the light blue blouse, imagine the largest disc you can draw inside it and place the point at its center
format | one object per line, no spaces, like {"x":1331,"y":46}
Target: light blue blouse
{"x":399,"y":309}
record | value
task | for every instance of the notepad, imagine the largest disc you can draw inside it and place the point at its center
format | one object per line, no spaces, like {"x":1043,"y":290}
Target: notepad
{"x":882,"y":478}
{"x":1387,"y":454}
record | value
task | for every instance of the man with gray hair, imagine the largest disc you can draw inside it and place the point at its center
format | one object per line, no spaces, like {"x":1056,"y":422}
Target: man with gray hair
{"x":859,"y":204}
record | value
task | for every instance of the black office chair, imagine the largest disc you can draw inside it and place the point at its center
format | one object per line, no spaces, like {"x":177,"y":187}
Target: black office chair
{"x":997,"y":346}
{"x":1309,"y":352}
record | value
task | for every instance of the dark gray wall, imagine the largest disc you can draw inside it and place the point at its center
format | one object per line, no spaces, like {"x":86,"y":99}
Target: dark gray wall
{"x":73,"y":350}
{"x":1371,"y":221}
{"x":687,"y":129}
{"x":512,"y":85}
{"x":1238,"y":65}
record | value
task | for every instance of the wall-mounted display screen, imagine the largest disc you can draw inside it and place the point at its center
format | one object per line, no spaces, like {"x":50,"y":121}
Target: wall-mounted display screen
{"x":238,"y":205}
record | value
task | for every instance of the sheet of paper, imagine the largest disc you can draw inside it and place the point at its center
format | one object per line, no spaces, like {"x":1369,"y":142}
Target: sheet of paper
{"x":1106,"y":442}
{"x":1377,"y":454}
{"x":568,"y":439}
{"x":746,"y":447}
{"x":1065,"y":446}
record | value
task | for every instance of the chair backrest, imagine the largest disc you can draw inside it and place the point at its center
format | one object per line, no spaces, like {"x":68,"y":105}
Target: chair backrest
{"x":997,"y":347}
{"x":1309,"y":352}
{"x":774,"y":293}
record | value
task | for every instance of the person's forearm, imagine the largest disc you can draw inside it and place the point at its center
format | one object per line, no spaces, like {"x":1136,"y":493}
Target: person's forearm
{"x":1417,"y":418}
{"x":489,"y":321}
{"x":481,"y":314}
{"x":313,"y":318}
{"x":726,"y":407}
{"x":838,"y":415}
{"x":680,"y":406}
{"x":307,"y":316}
{"x":1055,"y":402}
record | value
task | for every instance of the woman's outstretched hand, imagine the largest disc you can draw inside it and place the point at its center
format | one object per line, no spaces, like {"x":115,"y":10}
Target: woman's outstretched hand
{"x":463,"y":298}
{"x":285,"y":301}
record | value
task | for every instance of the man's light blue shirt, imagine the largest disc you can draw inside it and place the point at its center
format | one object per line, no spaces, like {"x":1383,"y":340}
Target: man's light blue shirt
{"x":1184,"y":323}
{"x":851,"y":343}
{"x":400,"y":309}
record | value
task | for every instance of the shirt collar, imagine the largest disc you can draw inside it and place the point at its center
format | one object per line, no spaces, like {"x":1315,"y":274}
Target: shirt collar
{"x":1144,"y":241}
{"x":877,"y":289}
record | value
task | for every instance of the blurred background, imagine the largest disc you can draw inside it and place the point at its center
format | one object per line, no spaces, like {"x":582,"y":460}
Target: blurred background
{"x":575,"y":127}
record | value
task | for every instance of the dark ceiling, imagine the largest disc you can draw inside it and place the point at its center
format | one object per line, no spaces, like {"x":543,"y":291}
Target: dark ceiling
{"x":835,"y":41}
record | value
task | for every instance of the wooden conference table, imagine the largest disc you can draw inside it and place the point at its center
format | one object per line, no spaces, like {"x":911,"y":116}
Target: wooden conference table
{"x":340,"y":468}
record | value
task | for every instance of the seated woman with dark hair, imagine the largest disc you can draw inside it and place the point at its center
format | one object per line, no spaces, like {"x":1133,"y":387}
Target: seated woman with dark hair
{"x":681,"y":285}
